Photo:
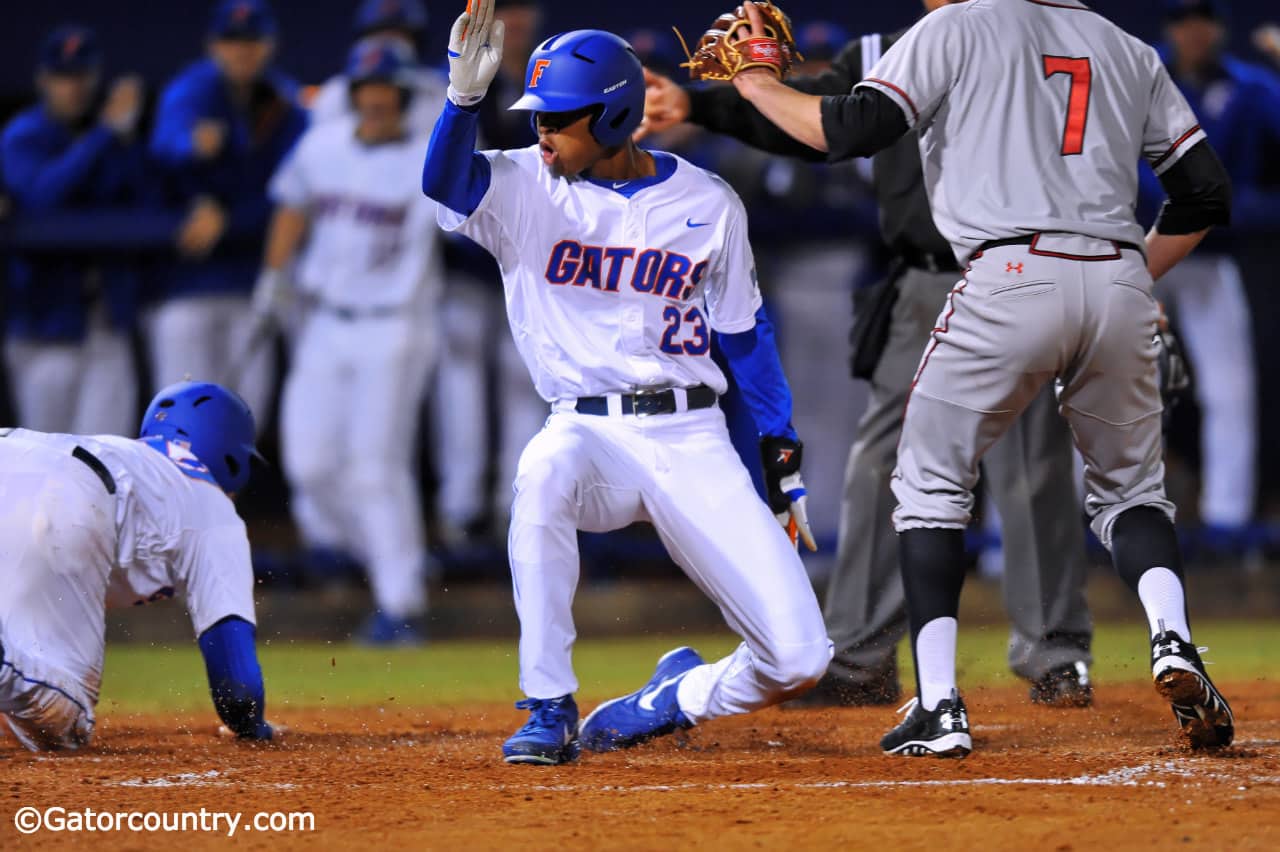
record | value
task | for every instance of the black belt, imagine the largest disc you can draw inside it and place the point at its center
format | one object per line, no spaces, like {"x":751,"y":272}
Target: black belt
{"x":347,"y":314}
{"x":929,"y":261}
{"x":1031,"y":239}
{"x":94,"y":464}
{"x":645,"y":403}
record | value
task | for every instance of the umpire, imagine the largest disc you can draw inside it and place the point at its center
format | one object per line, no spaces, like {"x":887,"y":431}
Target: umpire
{"x":1029,"y":473}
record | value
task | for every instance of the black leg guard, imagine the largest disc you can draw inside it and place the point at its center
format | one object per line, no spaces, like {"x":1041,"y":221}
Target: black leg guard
{"x":932,"y":562}
{"x":1143,"y":538}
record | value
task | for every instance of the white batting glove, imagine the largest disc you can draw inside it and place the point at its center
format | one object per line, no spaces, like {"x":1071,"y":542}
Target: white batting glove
{"x":272,"y":295}
{"x":475,"y":52}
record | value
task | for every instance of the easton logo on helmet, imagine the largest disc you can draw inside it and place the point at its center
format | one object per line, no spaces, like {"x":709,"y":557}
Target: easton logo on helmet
{"x":616,"y":86}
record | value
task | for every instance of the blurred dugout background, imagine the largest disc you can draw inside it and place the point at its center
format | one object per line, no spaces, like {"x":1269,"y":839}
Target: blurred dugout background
{"x":814,"y":232}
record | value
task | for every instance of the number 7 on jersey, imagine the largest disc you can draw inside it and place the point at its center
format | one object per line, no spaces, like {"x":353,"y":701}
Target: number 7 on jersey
{"x":1081,"y":73}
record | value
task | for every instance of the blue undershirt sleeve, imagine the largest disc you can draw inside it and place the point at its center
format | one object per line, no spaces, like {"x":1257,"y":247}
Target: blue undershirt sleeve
{"x":753,"y":359}
{"x":455,"y":174}
{"x":235,"y":678}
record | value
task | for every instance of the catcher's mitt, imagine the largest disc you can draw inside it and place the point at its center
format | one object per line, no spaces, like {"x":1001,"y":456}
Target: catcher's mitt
{"x":730,"y":47}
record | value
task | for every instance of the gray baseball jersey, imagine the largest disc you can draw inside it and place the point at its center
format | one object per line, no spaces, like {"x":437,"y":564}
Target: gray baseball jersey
{"x":1060,"y":90}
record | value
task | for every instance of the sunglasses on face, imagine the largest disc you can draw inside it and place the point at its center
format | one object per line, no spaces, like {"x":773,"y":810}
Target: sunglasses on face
{"x":555,"y":122}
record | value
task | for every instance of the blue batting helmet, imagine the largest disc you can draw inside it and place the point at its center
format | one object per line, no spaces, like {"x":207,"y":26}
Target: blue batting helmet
{"x":407,"y":15}
{"x":212,"y":421}
{"x":383,"y":60}
{"x":587,"y":68}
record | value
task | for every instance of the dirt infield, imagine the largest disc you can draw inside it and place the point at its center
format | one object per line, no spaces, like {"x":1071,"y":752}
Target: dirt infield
{"x":1112,"y":777}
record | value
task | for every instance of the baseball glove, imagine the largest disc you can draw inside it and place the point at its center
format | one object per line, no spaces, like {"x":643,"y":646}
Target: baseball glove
{"x":1175,"y":378}
{"x":733,"y":45}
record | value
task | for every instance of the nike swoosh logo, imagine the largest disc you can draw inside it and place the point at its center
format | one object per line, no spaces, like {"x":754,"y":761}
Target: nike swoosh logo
{"x":621,"y":185}
{"x":692,"y":224}
{"x":646,"y":700}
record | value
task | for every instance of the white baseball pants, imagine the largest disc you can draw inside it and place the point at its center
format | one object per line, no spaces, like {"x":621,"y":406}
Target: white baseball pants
{"x":680,"y":473}
{"x":1212,"y":311}
{"x":348,"y":430}
{"x":86,"y":387}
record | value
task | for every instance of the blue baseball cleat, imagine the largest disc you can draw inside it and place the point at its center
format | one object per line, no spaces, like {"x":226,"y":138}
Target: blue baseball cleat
{"x":549,"y":737}
{"x":651,"y":711}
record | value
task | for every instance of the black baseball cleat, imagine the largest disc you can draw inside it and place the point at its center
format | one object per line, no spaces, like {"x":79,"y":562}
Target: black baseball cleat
{"x":1179,"y":675}
{"x":1065,"y":686}
{"x":940,"y":732}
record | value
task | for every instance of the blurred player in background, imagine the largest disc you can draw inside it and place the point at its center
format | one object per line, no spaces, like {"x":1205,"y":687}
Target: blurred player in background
{"x":222,"y":127}
{"x":405,"y":23}
{"x":362,"y":245}
{"x":1238,"y":106}
{"x":481,"y":377}
{"x":101,"y":521}
{"x":617,"y":264}
{"x":69,"y":314}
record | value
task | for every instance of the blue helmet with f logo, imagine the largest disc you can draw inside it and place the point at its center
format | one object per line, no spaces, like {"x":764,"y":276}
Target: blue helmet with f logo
{"x":587,"y":68}
{"x":212,"y":422}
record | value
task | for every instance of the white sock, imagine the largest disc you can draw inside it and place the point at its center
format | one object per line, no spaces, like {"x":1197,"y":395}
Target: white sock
{"x":936,"y":661}
{"x":1162,"y":597}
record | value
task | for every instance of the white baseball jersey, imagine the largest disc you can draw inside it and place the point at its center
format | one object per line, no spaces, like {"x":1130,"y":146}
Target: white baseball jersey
{"x":373,"y":240}
{"x":176,"y":535}
{"x":1062,"y":91}
{"x":333,"y":100}
{"x":608,"y":293}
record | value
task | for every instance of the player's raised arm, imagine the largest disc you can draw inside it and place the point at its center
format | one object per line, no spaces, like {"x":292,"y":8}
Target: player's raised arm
{"x":723,"y":109}
{"x":454,"y":174}
{"x":843,"y":126}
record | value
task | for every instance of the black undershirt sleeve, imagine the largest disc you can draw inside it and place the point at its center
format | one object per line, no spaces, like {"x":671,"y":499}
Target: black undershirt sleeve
{"x":861,"y":124}
{"x":1199,"y":193}
{"x":721,"y":109}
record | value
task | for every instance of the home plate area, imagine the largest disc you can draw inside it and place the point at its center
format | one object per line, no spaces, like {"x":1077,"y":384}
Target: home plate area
{"x":1114,"y":776}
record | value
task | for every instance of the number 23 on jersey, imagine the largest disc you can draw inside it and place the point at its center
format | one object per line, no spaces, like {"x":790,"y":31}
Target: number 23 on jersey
{"x":686,"y":332}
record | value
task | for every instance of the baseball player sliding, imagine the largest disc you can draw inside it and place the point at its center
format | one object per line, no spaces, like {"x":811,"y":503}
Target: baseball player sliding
{"x":1037,"y":196}
{"x":364,"y":250}
{"x":617,"y":263}
{"x":97,"y":521}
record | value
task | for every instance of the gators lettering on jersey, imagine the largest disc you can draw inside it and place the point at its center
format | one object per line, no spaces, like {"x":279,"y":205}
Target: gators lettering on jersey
{"x":614,"y":286}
